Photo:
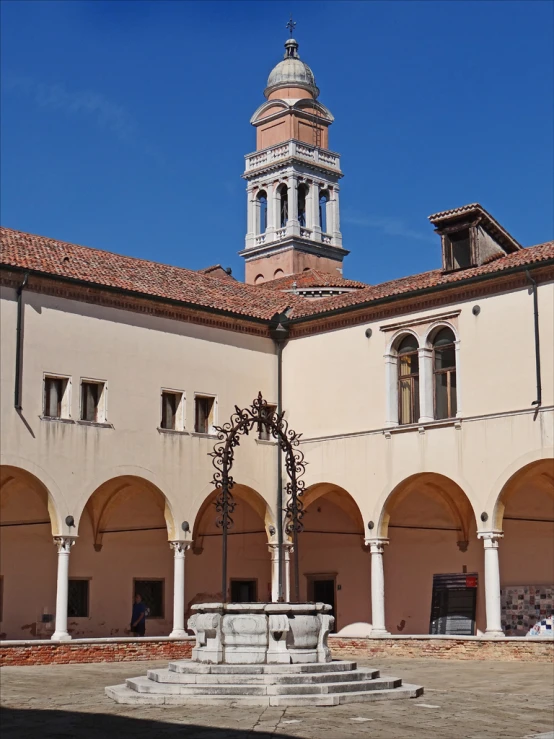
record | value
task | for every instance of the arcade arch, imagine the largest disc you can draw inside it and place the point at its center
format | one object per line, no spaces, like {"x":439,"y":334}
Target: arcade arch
{"x":28,"y":520}
{"x":334,"y":565}
{"x":430,"y":527}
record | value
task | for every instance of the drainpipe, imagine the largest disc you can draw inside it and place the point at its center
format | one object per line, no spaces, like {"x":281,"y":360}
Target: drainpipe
{"x":533,"y":283}
{"x":19,"y":344}
{"x":279,"y":332}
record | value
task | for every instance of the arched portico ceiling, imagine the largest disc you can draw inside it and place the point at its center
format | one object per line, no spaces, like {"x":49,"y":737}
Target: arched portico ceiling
{"x":118,"y":491}
{"x":338,"y":495}
{"x":15,"y":481}
{"x":440,"y":488}
{"x":244,"y":495}
{"x":538,"y":474}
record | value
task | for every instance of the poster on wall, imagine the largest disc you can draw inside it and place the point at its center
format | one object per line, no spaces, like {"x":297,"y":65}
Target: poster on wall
{"x":524,"y":605}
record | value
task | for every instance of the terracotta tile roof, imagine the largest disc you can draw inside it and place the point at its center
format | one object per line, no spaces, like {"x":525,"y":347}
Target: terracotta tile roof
{"x":102,"y":268}
{"x":61,"y":259}
{"x":311,"y":278}
{"x":217,"y":271}
{"x":435,"y":278}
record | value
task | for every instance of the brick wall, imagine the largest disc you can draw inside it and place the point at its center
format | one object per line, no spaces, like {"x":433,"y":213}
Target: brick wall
{"x":495,"y":650}
{"x":63,"y":653}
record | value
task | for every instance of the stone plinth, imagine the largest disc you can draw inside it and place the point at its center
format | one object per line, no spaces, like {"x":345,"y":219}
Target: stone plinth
{"x":261,"y":633}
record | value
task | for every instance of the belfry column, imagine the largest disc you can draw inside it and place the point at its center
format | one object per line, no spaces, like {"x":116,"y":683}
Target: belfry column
{"x":378,"y":627}
{"x":64,"y":544}
{"x":179,"y":549}
{"x":336,"y":234}
{"x":293,"y":226}
{"x":492,"y":583}
{"x":250,"y":218}
{"x":272,"y":209}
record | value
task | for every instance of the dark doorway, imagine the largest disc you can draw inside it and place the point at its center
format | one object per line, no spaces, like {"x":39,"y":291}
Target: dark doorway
{"x":453,"y":604}
{"x":244,"y":591}
{"x":322,"y":590}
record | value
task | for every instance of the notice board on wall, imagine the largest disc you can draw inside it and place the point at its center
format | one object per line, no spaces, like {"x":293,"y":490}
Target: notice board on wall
{"x":524,"y":605}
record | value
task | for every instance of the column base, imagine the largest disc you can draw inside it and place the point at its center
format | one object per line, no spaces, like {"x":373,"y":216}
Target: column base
{"x":60,"y":636}
{"x":178,"y":634}
{"x":378,"y":632}
{"x":494,"y":634}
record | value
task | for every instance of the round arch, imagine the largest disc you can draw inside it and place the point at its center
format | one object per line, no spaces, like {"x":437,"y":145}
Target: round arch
{"x":540,"y":471}
{"x":338,"y":495}
{"x":111,"y":493}
{"x":14,"y":470}
{"x":245,"y":494}
{"x":429,"y":336}
{"x":397,"y":337}
{"x":443,"y":488}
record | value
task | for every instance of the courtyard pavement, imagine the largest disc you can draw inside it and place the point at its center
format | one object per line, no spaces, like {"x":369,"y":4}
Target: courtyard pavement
{"x":462,"y":700}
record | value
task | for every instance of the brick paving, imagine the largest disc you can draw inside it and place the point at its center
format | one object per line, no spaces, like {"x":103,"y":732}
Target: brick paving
{"x":463,"y":700}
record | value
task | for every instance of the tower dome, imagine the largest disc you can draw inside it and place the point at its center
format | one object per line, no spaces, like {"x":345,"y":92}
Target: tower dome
{"x":291,"y":72}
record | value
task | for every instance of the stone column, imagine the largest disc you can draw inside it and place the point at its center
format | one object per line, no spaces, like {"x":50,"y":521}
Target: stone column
{"x":337,"y":236}
{"x":64,"y":544}
{"x":378,"y":627}
{"x":391,"y":390}
{"x":179,"y":549}
{"x":458,"y":380}
{"x":492,"y":583}
{"x":272,"y":210}
{"x":274,"y":552}
{"x":250,"y":218}
{"x":293,"y":227}
{"x":426,"y":394}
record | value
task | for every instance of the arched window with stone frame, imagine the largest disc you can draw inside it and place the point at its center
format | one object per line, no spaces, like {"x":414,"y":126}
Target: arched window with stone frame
{"x":324,"y":206}
{"x":444,"y":374}
{"x":261,"y":202}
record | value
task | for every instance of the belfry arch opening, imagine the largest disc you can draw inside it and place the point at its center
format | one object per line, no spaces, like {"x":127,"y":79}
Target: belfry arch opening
{"x":433,"y":563}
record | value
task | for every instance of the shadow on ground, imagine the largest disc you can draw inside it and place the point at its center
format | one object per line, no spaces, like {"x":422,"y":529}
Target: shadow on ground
{"x":32,"y":724}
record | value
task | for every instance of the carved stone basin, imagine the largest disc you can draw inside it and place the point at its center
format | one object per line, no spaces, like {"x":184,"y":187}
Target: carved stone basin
{"x":261,"y":633}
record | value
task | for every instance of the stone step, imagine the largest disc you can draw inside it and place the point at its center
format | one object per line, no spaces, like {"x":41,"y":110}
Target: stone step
{"x":187,"y":665}
{"x":389,"y":683}
{"x":335,"y":699}
{"x":144,"y":685}
{"x":123,"y":694}
{"x":170,"y":676}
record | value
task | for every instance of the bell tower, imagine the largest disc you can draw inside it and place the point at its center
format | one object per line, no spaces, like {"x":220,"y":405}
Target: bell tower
{"x":292,"y":191}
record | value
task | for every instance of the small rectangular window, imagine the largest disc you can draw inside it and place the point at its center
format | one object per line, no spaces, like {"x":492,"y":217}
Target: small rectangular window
{"x":56,"y":397}
{"x":78,"y":599}
{"x":204,"y":414}
{"x":265,"y":433}
{"x":173,"y":411}
{"x":93,"y":401}
{"x":152,"y":594}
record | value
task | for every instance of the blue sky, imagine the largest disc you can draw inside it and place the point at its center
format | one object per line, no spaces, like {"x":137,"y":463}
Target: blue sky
{"x":125,"y":124}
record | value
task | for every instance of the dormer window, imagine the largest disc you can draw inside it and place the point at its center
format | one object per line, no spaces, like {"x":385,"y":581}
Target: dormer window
{"x":457,"y":249}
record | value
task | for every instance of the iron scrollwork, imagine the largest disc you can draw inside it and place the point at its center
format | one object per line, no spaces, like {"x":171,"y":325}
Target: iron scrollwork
{"x":260,"y":416}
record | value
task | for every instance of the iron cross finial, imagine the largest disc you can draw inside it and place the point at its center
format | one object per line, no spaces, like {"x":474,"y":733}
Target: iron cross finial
{"x":291,"y":25}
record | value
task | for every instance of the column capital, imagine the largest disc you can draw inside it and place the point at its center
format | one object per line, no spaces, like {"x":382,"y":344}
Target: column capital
{"x":179,"y":546}
{"x":64,"y":543}
{"x":490,"y":538}
{"x":377,"y":546}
